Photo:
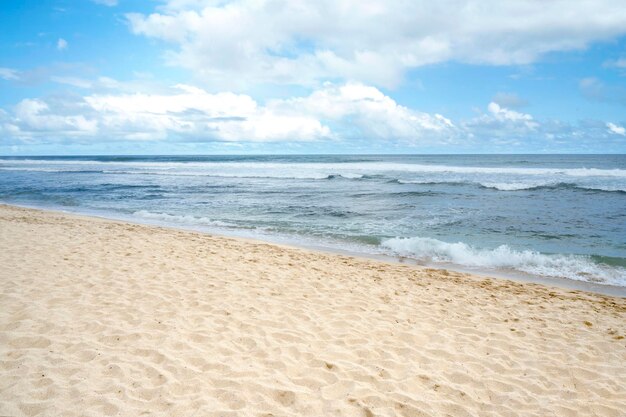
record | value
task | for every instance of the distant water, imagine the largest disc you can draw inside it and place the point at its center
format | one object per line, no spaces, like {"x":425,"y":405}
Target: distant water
{"x":554,"y":216}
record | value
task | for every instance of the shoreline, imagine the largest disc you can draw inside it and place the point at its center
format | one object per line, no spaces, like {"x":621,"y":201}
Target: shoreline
{"x":104,"y":317}
{"x":516,"y":276}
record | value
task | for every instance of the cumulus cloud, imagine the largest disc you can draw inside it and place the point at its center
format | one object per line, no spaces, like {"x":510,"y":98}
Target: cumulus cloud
{"x":370,"y":113}
{"x":348,"y":111}
{"x":352,"y":112}
{"x":505,"y":115}
{"x":375,"y":42}
{"x":187,"y":112}
{"x":39,"y":117}
{"x":618,"y":130}
{"x":62,"y":44}
{"x":502,"y":122}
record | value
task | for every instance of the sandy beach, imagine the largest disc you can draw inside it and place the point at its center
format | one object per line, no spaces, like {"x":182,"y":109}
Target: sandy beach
{"x":101,"y":317}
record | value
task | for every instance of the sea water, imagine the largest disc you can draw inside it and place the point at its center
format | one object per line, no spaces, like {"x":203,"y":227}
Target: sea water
{"x":559,"y":216}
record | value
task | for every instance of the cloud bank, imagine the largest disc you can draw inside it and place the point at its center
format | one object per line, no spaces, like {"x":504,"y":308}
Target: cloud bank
{"x":342,"y":57}
{"x":333,"y":112}
{"x":346,"y":113}
{"x":242,"y":42}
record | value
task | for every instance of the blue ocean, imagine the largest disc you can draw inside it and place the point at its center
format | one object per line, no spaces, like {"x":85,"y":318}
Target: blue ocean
{"x":555,"y":216}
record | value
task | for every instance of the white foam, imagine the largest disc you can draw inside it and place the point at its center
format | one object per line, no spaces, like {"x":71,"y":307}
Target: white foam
{"x":357,"y":168}
{"x":40,"y":169}
{"x":184,"y":219}
{"x":515,"y":186}
{"x":603,"y":188}
{"x":577,"y":267}
{"x":217,"y":175}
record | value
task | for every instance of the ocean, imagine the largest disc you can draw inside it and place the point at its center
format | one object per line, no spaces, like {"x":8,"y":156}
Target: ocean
{"x":554,"y":216}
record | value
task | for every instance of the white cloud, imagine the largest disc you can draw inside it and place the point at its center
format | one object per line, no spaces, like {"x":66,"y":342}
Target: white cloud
{"x":62,"y":44}
{"x":503,"y":122}
{"x":350,"y":111}
{"x":9,"y":74}
{"x":37,"y":116}
{"x":366,"y":112}
{"x":109,"y":3}
{"x":618,"y":130}
{"x":73,"y":81}
{"x":594,"y":89}
{"x":617,"y":63}
{"x":505,"y":115}
{"x":353,"y":113}
{"x":192,"y":111}
{"x":187,"y":112}
{"x":249,"y":41}
{"x":509,"y":100}
{"x":101,"y":83}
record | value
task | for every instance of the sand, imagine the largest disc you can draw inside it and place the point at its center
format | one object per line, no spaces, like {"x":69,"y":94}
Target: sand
{"x":102,"y":317}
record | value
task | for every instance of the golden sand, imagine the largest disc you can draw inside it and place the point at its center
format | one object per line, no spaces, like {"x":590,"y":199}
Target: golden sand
{"x":101,"y":317}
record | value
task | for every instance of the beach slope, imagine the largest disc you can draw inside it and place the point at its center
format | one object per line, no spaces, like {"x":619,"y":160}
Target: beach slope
{"x":101,"y":317}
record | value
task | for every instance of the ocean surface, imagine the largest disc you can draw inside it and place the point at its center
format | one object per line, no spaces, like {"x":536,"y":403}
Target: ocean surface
{"x":557,"y":216}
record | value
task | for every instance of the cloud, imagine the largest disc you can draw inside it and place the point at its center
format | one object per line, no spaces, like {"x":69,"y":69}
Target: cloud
{"x":364,"y":111}
{"x":507,"y":129}
{"x":350,"y":111}
{"x":73,"y":81}
{"x":596,"y":90}
{"x":244,"y":42}
{"x":99,"y":83}
{"x":187,"y":113}
{"x":502,"y":121}
{"x":510,"y":100}
{"x":109,"y":3}
{"x":618,"y":130}
{"x":352,"y":114}
{"x":506,"y":115}
{"x":62,"y":44}
{"x":616,"y":63}
{"x":38,"y":117}
{"x":9,"y":74}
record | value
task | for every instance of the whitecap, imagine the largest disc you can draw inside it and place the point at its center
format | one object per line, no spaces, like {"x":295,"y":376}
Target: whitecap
{"x":577,"y":267}
{"x":181,"y":219}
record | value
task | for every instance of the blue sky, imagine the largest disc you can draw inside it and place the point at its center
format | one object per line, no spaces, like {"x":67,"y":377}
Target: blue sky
{"x":207,"y":76}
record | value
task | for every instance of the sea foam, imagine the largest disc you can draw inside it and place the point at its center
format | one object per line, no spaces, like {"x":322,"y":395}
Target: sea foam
{"x":357,"y":168}
{"x":578,"y":267}
{"x":181,"y":219}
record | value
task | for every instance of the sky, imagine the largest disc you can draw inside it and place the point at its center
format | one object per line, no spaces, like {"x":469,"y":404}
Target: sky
{"x":85,"y":77}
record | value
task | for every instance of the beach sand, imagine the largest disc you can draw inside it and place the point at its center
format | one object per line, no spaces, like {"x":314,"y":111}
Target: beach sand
{"x":102,"y":317}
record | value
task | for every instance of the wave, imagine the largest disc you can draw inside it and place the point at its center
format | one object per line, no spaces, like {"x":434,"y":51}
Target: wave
{"x":285,"y":176}
{"x":360,"y":168}
{"x":498,"y":184}
{"x":518,"y":186}
{"x":347,"y":176}
{"x":299,"y":175}
{"x":515,"y":186}
{"x":577,"y":267}
{"x":52,"y":170}
{"x":427,"y":182}
{"x":608,"y":189}
{"x":182,"y":219}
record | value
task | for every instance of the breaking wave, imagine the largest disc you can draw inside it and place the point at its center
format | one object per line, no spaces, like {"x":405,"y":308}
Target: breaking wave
{"x":577,"y":267}
{"x":184,"y":219}
{"x":358,"y":167}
